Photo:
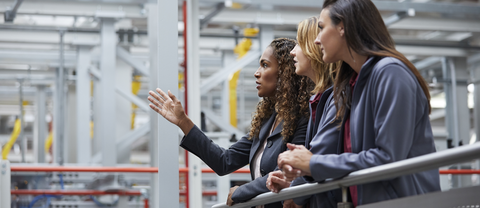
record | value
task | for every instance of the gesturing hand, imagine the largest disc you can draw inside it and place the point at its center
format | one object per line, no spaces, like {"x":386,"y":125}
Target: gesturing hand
{"x":170,"y":108}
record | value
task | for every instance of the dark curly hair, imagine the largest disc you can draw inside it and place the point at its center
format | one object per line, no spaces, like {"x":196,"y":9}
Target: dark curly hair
{"x":291,"y":96}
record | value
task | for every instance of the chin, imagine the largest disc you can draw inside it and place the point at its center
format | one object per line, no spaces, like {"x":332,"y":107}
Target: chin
{"x":299,"y":71}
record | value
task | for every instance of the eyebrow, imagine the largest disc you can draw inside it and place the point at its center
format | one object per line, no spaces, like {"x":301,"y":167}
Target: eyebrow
{"x":264,"y":60}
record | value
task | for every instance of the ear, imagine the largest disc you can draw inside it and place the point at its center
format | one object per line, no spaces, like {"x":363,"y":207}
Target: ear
{"x":340,"y":29}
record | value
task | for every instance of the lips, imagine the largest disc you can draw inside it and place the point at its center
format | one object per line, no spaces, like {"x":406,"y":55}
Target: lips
{"x":258,"y":84}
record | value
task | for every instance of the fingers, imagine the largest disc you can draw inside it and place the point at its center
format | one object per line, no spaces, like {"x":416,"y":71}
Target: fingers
{"x":163,"y":94}
{"x":172,"y":97}
{"x":155,"y":109}
{"x":290,"y":173}
{"x":230,"y":201}
{"x":291,"y":146}
{"x":154,"y":101}
{"x":277,"y":184}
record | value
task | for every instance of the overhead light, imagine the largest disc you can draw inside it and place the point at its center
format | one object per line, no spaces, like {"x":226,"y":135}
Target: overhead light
{"x":471,"y":88}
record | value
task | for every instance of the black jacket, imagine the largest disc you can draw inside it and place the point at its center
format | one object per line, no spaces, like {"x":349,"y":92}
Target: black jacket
{"x":225,"y":161}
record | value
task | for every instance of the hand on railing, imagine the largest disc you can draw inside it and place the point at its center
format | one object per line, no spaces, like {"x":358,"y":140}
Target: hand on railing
{"x":277,"y":181}
{"x":295,"y":162}
{"x":290,"y":204}
{"x":230,"y":193}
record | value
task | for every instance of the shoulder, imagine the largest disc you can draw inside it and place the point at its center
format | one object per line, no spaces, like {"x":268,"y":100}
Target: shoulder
{"x":392,"y":69}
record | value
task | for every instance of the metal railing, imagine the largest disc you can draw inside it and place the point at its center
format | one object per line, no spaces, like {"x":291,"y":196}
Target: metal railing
{"x":383,"y":172}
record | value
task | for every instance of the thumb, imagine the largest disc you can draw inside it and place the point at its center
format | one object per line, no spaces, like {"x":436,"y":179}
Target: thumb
{"x":291,"y":146}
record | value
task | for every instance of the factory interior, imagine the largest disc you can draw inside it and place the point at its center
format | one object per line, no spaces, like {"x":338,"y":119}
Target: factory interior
{"x":76,"y":130}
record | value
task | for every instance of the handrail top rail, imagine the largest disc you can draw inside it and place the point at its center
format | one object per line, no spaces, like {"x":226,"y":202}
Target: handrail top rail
{"x":378,"y":173}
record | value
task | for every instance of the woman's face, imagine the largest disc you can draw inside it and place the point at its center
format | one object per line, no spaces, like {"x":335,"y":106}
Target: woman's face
{"x":267,"y":74}
{"x":303,"y":65}
{"x":330,"y":38}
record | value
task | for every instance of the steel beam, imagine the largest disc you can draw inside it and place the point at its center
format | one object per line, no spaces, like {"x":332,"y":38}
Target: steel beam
{"x":220,"y":123}
{"x":84,"y":151}
{"x":59,"y":104}
{"x":444,"y":8}
{"x":193,"y":66}
{"x":167,"y":79}
{"x":218,"y":8}
{"x":427,"y":62}
{"x":5,"y":183}
{"x":138,"y":65}
{"x":432,"y":51}
{"x":395,"y":18}
{"x":125,"y":142}
{"x":153,"y":83}
{"x":107,"y":123}
{"x":10,"y":14}
{"x":134,"y":99}
{"x":223,"y":73}
{"x":21,"y":136}
{"x":475,"y":76}
{"x":437,"y":24}
{"x":41,"y":127}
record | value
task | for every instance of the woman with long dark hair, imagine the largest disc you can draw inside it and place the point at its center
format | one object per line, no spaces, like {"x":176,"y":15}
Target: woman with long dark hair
{"x":382,"y":102}
{"x":281,"y":117}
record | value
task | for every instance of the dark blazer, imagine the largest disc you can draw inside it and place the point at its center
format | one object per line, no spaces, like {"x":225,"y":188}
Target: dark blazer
{"x":225,"y":161}
{"x":322,"y":138}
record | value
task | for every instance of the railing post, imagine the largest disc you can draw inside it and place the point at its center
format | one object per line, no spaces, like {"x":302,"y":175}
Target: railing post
{"x":5,"y":199}
{"x":345,"y":203}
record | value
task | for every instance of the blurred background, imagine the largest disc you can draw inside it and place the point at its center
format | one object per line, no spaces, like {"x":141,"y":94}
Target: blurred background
{"x":74,"y":71}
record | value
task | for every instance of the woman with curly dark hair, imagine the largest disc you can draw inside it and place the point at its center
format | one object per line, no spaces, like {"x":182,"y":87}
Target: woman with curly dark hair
{"x":280,"y":118}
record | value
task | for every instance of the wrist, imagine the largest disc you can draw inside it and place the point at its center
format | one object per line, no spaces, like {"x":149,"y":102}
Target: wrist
{"x":186,"y":125}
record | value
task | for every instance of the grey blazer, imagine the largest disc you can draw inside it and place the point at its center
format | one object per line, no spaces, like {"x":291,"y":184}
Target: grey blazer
{"x":389,"y":122}
{"x":322,"y":138}
{"x":225,"y":161}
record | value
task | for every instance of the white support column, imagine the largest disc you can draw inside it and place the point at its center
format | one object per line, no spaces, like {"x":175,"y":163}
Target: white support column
{"x":123,"y":119}
{"x":153,"y":84}
{"x":223,"y":182}
{"x":5,"y":197}
{"x":59,"y":109}
{"x":167,"y":78}
{"x":41,"y":124}
{"x":84,"y":152}
{"x":193,"y":66}
{"x":462,"y":76}
{"x":108,"y":108}
{"x":457,"y":112}
{"x":475,"y":75}
{"x":266,"y":36}
{"x":228,"y":57}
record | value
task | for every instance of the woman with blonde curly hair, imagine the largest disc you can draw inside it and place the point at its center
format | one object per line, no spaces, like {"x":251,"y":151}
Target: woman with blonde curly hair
{"x":322,"y":132}
{"x":280,"y":118}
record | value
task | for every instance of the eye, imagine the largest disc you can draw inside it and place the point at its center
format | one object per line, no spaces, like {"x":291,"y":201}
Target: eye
{"x":264,"y":65}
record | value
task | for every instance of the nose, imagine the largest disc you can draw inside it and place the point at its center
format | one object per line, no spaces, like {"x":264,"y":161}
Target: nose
{"x":292,"y":52}
{"x":317,"y":40}
{"x":257,"y":73}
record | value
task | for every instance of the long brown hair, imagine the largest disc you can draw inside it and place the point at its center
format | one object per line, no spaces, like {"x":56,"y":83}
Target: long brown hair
{"x":324,"y":73}
{"x":366,"y":34}
{"x":291,"y":96}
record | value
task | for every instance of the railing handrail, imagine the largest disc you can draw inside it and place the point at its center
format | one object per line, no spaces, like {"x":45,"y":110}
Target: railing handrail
{"x":378,"y":173}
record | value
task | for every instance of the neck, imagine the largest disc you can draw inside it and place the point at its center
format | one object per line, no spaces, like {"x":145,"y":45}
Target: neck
{"x":355,"y":61}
